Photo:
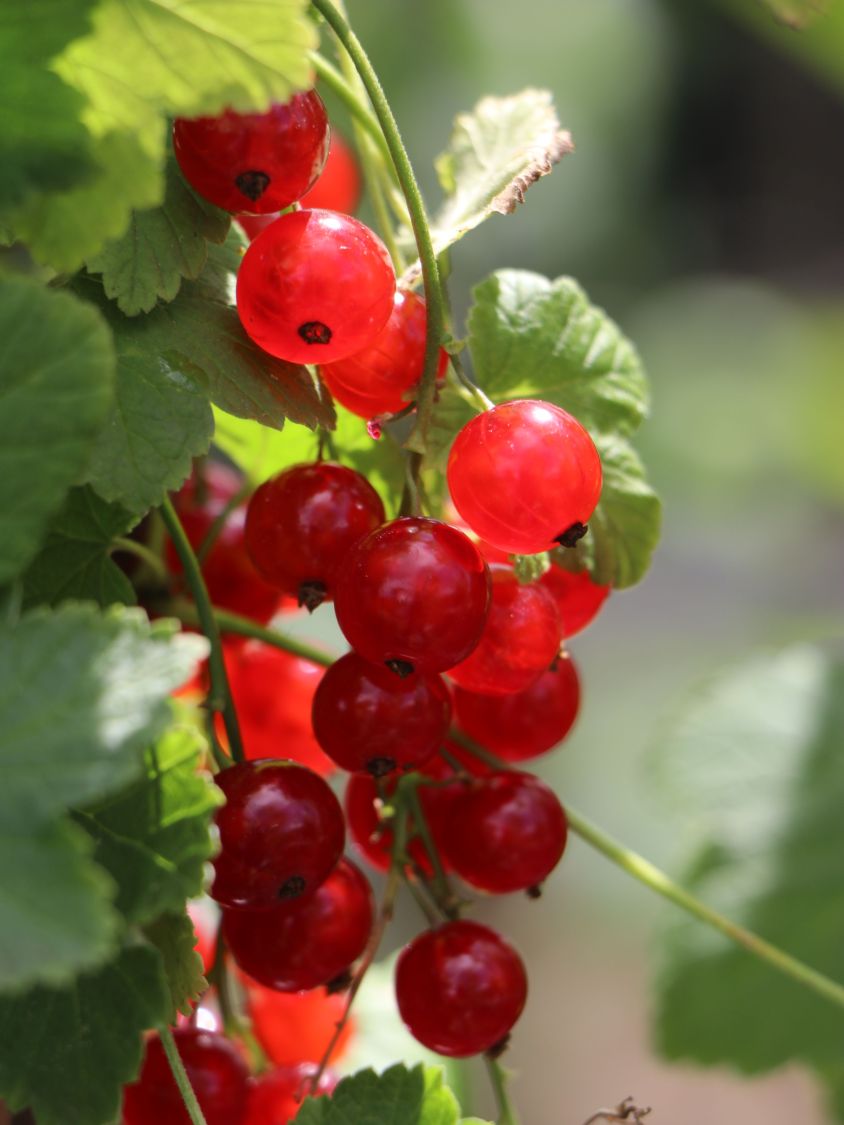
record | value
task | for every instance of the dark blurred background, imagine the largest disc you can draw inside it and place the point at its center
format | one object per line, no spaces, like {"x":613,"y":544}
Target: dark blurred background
{"x":703,"y":209}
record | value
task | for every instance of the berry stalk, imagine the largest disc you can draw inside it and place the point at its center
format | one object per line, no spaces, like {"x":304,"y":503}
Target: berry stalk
{"x":499,"y":1077}
{"x":180,"y":1077}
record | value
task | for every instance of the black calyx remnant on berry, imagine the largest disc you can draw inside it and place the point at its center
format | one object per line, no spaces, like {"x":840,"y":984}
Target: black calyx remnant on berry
{"x":253,"y":184}
{"x":315,"y":332}
{"x":380,"y":767}
{"x":572,"y":535}
{"x":312,"y":594}
{"x":292,"y":887}
{"x":402,"y":668}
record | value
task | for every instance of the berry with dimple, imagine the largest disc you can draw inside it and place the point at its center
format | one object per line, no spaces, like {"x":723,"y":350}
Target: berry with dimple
{"x":460,"y":988}
{"x":273,"y":692}
{"x":524,"y":476}
{"x":275,"y":1097}
{"x":255,"y":162}
{"x":315,"y":286}
{"x":296,"y":1026}
{"x":520,"y":639}
{"x":377,"y":380}
{"x":301,"y":523}
{"x":368,"y":719}
{"x":307,"y":942}
{"x":578,"y":598}
{"x":281,"y":834}
{"x":217,"y":1073}
{"x":506,"y":832}
{"x":414,"y":595}
{"x":528,"y":723}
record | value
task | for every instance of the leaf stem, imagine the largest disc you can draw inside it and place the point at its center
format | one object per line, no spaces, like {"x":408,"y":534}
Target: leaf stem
{"x":140,"y":551}
{"x":418,"y":219}
{"x":180,"y":1076}
{"x":220,"y":696}
{"x":651,"y":876}
{"x":359,"y":111}
{"x":498,"y":1076}
{"x":243,"y":627}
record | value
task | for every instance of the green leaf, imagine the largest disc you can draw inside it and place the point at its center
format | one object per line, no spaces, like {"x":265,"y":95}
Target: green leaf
{"x":67,"y":1052}
{"x":755,"y":771}
{"x":496,"y":152}
{"x":74,"y":563}
{"x":798,"y":14}
{"x":55,"y":907}
{"x":260,"y":452}
{"x":161,"y":246}
{"x":174,"y":937}
{"x":397,"y":1097}
{"x":380,"y":460}
{"x":83,"y":693}
{"x":154,"y":838}
{"x":57,"y":360}
{"x":535,"y":338}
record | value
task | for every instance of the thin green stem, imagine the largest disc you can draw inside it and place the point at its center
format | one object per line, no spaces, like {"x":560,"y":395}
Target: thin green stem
{"x":219,"y":520}
{"x":180,"y":1076}
{"x":646,"y":873}
{"x":358,"y":109}
{"x":498,"y":1076}
{"x":418,"y":218}
{"x":407,"y":792}
{"x":220,"y":696}
{"x":142,"y":552}
{"x":243,"y":627}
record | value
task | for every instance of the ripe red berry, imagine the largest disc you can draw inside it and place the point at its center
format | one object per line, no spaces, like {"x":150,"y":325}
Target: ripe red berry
{"x":460,"y":988}
{"x":520,"y":639}
{"x":338,"y":187}
{"x":368,"y":719}
{"x":378,"y":379}
{"x":296,"y":1026}
{"x":315,"y":286}
{"x":233,"y":582}
{"x":217,"y":1073}
{"x":578,"y":598}
{"x":525,"y":475}
{"x":506,"y":832}
{"x":307,"y":942}
{"x":301,"y":523}
{"x":528,"y":723}
{"x":256,"y":162}
{"x":413,"y":595}
{"x":281,"y":834}
{"x":273,"y":692}
{"x":275,"y":1097}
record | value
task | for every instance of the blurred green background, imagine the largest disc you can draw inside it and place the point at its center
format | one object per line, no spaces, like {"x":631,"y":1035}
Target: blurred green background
{"x":703,"y":208}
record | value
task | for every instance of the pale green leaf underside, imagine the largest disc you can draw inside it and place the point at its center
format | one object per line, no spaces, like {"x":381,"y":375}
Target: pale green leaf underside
{"x":174,"y":937}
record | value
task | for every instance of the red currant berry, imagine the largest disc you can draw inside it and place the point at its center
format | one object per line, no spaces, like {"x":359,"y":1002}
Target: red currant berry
{"x":368,"y":719}
{"x":578,"y":598}
{"x":377,"y":379}
{"x":273,"y":692}
{"x":301,"y":523}
{"x":302,"y":944}
{"x":217,"y":1073}
{"x":338,"y":187}
{"x":315,"y":286}
{"x":506,"y":832}
{"x":520,"y":639}
{"x":528,"y":723}
{"x":257,"y":162}
{"x":204,"y":944}
{"x":281,"y":834}
{"x":233,"y":582}
{"x":525,"y":475}
{"x":294,"y":1027}
{"x":275,"y":1098}
{"x":252,"y":225}
{"x":413,"y":595}
{"x":460,"y":988}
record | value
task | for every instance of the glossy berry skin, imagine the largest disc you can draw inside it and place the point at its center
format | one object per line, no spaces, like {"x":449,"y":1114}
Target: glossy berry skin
{"x":520,"y":640}
{"x":292,"y":1026}
{"x":339,"y":186}
{"x":367,"y":719}
{"x":528,"y":723}
{"x":273,"y":692}
{"x":578,"y":598}
{"x":275,"y":1097}
{"x":281,"y":834}
{"x":315,"y":286}
{"x":524,"y":476}
{"x":413,"y":595}
{"x":302,"y":944}
{"x":460,"y":988}
{"x":506,"y":832}
{"x":378,"y":380}
{"x":302,"y":522}
{"x":255,"y":162}
{"x":217,"y":1072}
{"x":232,"y":580}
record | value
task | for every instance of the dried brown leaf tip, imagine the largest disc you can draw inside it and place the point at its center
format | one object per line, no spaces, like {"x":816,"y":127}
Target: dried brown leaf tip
{"x":626,"y":1111}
